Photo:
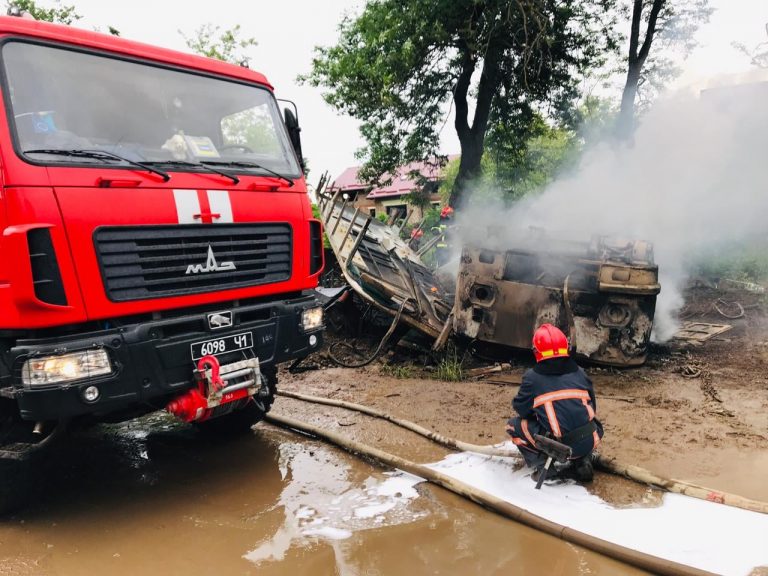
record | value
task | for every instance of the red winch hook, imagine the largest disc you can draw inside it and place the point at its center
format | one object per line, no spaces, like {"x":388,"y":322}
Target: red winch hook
{"x":210,"y":361}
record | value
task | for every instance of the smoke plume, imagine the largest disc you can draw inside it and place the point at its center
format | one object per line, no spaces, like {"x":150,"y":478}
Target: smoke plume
{"x":695,"y":177}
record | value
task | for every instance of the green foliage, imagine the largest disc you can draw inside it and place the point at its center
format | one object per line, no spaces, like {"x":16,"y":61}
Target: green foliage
{"x":512,"y":169}
{"x":522,"y":167}
{"x":226,"y":45}
{"x":746,"y":260}
{"x":58,"y":13}
{"x":450,"y":367}
{"x":318,"y":216}
{"x":400,"y":62}
{"x":399,"y":371}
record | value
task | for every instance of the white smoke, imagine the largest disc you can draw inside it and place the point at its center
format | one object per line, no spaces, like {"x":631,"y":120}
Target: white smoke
{"x":695,"y":177}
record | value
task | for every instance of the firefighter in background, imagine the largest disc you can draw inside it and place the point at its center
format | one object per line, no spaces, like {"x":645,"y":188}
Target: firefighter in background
{"x":416,"y":235}
{"x":556,"y":399}
{"x":443,"y":248}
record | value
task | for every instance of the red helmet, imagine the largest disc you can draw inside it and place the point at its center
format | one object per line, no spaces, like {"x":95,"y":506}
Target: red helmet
{"x":446,"y":212}
{"x":549,"y":342}
{"x":417,"y":233}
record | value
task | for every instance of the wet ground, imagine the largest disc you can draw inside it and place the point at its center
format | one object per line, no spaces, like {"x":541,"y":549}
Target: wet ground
{"x":154,"y":497}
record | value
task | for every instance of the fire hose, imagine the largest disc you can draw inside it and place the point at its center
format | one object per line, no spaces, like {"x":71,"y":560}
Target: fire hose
{"x":604,"y":463}
{"x":616,"y":551}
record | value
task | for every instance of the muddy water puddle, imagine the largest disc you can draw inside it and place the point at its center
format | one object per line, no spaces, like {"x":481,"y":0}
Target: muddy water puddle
{"x":152,"y":497}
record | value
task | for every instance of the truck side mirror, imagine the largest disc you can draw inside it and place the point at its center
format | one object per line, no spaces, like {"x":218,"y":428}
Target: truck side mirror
{"x":294,"y":133}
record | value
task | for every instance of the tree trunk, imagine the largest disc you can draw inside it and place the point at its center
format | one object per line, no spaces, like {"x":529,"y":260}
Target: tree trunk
{"x":638,"y":53}
{"x":469,"y":169}
{"x":625,"y":123}
{"x":472,"y":139}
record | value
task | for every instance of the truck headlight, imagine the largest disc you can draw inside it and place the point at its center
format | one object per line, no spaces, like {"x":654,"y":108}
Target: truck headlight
{"x":74,"y":366}
{"x":312,"y":319}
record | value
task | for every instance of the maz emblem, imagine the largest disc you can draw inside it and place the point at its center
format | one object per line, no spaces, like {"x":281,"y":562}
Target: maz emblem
{"x":210,"y":265}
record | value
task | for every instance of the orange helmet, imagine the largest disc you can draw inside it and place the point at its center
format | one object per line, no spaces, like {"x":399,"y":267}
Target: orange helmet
{"x":417,"y":233}
{"x":549,"y":342}
{"x":446,"y":212}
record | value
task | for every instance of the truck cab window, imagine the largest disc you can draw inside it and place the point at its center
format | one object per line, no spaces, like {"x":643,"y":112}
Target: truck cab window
{"x":63,"y":99}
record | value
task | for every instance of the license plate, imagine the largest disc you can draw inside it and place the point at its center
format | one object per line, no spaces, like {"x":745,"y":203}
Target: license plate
{"x":222,"y":345}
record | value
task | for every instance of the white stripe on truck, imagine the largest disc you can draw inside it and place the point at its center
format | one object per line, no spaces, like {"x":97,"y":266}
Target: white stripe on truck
{"x":220,"y":204}
{"x":187,"y":205}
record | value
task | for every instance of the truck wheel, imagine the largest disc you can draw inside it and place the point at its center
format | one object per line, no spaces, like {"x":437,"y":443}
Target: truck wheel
{"x":14,"y":484}
{"x":242,"y":420}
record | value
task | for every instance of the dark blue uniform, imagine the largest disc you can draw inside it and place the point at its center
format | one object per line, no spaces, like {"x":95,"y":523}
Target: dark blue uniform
{"x":556,"y":399}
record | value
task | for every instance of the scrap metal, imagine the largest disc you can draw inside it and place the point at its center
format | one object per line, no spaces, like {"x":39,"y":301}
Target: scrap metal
{"x":604,"y":291}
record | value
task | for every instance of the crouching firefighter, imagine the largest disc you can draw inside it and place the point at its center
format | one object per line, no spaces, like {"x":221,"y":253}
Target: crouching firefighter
{"x":556,"y":399}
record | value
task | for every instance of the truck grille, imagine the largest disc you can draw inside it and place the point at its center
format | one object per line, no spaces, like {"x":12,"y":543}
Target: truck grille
{"x":155,"y":261}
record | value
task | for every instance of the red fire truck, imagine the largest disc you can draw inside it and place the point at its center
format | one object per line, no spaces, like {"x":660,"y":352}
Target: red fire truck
{"x":157,"y":245}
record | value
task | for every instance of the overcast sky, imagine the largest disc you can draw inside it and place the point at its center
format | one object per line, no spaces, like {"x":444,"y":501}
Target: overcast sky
{"x":288,"y":30}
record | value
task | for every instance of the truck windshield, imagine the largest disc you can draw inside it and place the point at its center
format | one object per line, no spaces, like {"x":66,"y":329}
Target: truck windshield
{"x":62,"y":99}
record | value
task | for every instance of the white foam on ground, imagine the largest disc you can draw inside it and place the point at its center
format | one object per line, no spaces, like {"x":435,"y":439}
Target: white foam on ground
{"x":320,"y":500}
{"x":328,"y":532}
{"x":713,"y":537}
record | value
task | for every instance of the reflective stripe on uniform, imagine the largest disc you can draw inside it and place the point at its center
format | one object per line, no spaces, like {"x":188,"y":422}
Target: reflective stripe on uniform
{"x":567,"y":394}
{"x":547,"y":400}
{"x":552,"y":417}
{"x":524,"y":427}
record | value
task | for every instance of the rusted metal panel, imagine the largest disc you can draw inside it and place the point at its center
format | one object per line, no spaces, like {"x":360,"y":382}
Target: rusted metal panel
{"x":602,"y":293}
{"x":700,"y":332}
{"x":383,"y":270}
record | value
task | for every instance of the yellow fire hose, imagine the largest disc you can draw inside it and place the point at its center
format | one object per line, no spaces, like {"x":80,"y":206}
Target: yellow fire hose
{"x":621,"y":553}
{"x":629,"y":471}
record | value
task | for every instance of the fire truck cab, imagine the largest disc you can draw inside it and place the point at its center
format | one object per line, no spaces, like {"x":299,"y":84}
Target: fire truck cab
{"x":157,"y":244}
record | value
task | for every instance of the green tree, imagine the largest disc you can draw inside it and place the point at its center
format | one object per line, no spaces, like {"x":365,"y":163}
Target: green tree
{"x":669,"y":23}
{"x":251,"y":128}
{"x":227,"y":45}
{"x":58,"y":13}
{"x":398,"y":64}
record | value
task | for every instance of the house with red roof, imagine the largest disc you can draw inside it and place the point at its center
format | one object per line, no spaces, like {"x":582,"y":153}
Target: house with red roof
{"x":391,"y":199}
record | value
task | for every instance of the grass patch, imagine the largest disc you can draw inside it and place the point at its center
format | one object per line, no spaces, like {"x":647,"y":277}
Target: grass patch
{"x":450,"y":368}
{"x":401,"y":371}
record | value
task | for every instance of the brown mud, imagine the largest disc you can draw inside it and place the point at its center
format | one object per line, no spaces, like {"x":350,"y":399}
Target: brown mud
{"x":155,"y":497}
{"x":127,"y":502}
{"x":694,"y":413}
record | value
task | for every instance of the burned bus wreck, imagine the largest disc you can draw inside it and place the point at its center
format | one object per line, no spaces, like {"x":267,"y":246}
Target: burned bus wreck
{"x":601,"y":292}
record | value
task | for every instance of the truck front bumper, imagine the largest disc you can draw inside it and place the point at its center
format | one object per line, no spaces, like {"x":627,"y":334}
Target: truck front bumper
{"x":153,"y":360}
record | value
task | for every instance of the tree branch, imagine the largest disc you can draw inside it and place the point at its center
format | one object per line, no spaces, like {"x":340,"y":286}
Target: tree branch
{"x":461,"y":91}
{"x":651,"y":30}
{"x":486,"y":90}
{"x":634,"y":34}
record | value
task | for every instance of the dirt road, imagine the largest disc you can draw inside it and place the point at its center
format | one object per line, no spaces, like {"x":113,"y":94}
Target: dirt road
{"x":155,"y":497}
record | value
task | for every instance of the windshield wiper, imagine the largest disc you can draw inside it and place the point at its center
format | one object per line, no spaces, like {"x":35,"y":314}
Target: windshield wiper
{"x":232,"y":177}
{"x":99,"y":155}
{"x":244,"y":164}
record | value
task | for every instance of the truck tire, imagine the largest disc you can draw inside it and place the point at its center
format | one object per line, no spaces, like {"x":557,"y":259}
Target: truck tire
{"x":242,"y":420}
{"x":14,"y":485}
